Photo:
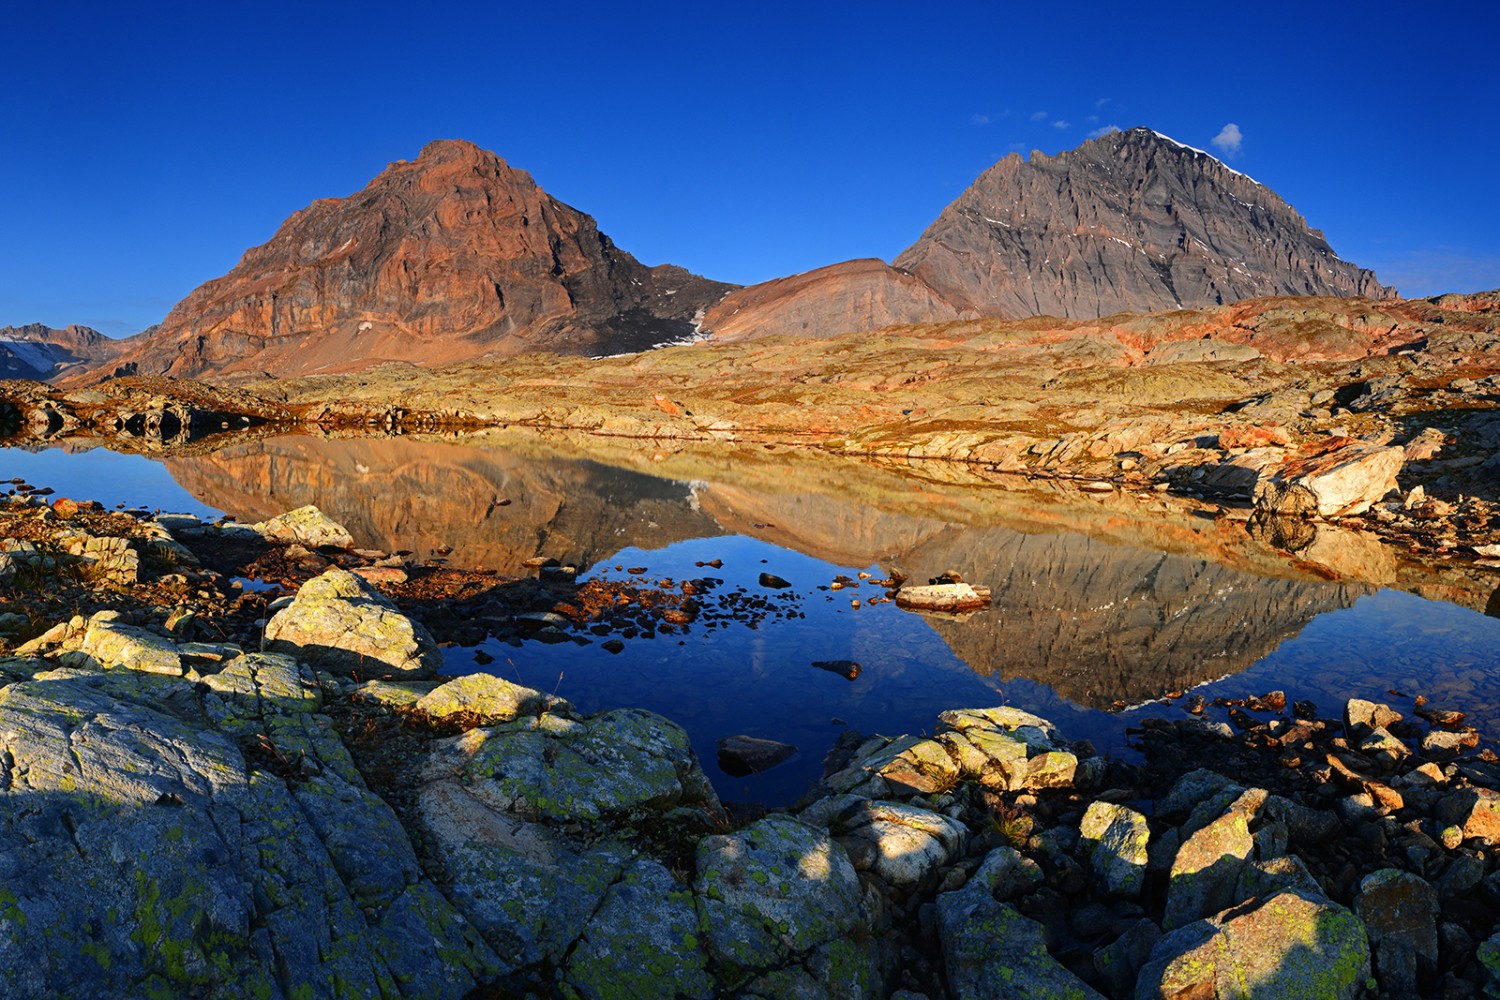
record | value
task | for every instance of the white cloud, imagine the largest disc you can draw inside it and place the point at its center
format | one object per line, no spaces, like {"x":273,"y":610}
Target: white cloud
{"x":1039,"y":116}
{"x":1100,"y":103}
{"x":1229,"y":140}
{"x":980,"y":119}
{"x":1060,"y":124}
{"x":1104,"y":130}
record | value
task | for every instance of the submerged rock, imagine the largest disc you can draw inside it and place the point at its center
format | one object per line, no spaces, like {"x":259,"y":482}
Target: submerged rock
{"x":743,"y":755}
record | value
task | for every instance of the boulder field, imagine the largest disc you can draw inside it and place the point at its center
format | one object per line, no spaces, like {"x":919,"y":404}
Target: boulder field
{"x":201,"y":819}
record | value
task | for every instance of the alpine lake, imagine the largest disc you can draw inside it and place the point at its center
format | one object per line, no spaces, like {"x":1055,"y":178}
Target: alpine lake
{"x":1106,"y":610}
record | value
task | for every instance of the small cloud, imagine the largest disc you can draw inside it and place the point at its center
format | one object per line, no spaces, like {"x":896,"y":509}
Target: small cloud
{"x":1060,"y":124}
{"x":1229,"y":140}
{"x":979,"y":119}
{"x":1100,"y":103}
{"x":1092,"y":120}
{"x":1016,"y":147}
{"x":1039,"y":116}
{"x":1103,"y":130}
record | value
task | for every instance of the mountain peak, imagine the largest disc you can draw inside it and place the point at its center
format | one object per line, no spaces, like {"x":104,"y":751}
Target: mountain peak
{"x":1130,"y":221}
{"x":449,"y":257}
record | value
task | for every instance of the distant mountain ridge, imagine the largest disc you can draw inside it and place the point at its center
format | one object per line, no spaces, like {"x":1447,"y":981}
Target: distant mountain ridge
{"x":39,"y":352}
{"x":457,"y":256}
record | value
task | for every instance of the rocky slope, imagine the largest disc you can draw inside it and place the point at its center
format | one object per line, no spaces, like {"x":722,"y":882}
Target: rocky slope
{"x":453,"y":256}
{"x":37,"y":351}
{"x":1131,"y":221}
{"x":841,"y":298}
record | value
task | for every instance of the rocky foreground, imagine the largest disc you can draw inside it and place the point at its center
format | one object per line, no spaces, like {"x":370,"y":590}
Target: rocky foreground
{"x":315,"y":813}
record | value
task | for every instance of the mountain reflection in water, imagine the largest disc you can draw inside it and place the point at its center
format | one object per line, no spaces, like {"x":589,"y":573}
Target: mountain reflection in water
{"x":1081,"y":622}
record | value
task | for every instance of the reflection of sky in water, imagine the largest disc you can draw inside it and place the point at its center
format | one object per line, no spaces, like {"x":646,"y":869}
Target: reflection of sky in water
{"x":106,"y":476}
{"x":761,"y":681}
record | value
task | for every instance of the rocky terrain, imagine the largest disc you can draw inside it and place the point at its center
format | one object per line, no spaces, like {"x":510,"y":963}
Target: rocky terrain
{"x":451,"y":256}
{"x":296,"y":806}
{"x":1129,"y":222}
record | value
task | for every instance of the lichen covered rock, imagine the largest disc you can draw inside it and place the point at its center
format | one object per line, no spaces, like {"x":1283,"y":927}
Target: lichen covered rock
{"x":343,"y":625}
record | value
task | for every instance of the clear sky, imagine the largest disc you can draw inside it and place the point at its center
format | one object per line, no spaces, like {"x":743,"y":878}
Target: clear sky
{"x":145,"y":146}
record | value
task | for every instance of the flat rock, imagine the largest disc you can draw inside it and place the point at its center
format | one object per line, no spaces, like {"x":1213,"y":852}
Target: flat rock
{"x":943,"y":597}
{"x":493,"y":698}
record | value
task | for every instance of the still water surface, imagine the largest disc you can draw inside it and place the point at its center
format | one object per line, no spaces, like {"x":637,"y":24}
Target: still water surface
{"x":1081,"y":623}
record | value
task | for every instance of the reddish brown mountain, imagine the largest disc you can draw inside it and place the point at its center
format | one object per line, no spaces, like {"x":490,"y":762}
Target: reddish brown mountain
{"x":453,"y":256}
{"x":855,"y":295}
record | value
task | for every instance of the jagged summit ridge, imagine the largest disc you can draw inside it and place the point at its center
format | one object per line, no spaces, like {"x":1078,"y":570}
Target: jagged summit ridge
{"x":1131,"y":221}
{"x":452,"y":256}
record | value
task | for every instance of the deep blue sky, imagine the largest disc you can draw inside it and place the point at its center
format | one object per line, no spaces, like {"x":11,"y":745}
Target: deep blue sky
{"x":144,"y":147}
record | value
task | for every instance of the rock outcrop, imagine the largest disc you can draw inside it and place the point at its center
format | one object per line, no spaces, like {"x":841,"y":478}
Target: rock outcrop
{"x":1131,"y":221}
{"x":449,"y":257}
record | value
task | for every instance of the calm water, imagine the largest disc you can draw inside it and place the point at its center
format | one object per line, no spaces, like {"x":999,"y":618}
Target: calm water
{"x":1083,"y":630}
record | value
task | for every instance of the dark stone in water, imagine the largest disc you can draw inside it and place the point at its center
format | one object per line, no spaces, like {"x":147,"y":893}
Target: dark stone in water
{"x":773,"y":581}
{"x":743,"y":755}
{"x":614,"y":645}
{"x":844,"y":668}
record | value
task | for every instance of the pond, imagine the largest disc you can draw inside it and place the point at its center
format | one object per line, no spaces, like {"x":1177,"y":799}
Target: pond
{"x":1101,"y":607}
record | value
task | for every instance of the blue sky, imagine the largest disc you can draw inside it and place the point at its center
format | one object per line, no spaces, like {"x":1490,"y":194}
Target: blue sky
{"x":146,"y":146}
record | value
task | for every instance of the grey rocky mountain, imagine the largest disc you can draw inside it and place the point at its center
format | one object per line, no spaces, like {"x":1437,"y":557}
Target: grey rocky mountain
{"x":1131,"y":221}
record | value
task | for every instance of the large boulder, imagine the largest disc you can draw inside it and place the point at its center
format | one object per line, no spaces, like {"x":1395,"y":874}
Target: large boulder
{"x":345,"y":626}
{"x":1116,"y":839}
{"x":778,"y":890}
{"x":307,"y":526}
{"x":901,"y":843}
{"x":521,"y":819}
{"x":1292,"y":944}
{"x":991,"y":950}
{"x":1399,"y":911}
{"x":1346,"y":477}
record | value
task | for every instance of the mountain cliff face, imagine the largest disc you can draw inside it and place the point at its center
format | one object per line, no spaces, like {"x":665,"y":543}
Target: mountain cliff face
{"x":40,"y":352}
{"x":453,"y":256}
{"x":1132,"y":221}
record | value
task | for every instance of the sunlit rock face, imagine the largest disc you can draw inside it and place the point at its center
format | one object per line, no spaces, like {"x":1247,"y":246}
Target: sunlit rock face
{"x":1131,"y":221}
{"x":452,"y":256}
